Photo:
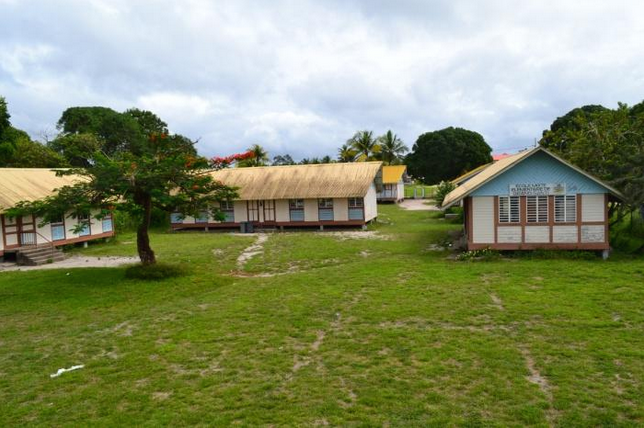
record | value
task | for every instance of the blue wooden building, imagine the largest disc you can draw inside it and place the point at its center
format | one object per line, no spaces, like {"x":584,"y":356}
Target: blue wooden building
{"x":534,"y":199}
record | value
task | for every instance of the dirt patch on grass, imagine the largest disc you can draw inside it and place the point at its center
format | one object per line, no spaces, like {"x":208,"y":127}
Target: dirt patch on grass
{"x":424,"y":324}
{"x":318,"y":341}
{"x":418,"y":205}
{"x":299,"y":363}
{"x":356,"y":234}
{"x":161,"y":396}
{"x":293,"y":268}
{"x":498,"y":303}
{"x":74,"y":262}
{"x":536,"y":378}
{"x":123,"y":329}
{"x":252,"y":251}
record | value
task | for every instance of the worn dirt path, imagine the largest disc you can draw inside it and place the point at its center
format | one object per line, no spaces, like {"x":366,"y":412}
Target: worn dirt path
{"x":74,"y":262}
{"x":418,"y":205}
{"x":252,"y":251}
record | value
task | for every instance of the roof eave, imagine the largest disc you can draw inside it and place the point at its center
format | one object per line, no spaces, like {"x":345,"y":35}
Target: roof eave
{"x":611,"y":190}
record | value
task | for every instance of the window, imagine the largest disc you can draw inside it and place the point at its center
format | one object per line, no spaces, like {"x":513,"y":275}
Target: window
{"x":202,"y":218}
{"x":228,"y":210}
{"x":509,"y":209}
{"x":325,"y":203}
{"x":566,"y":209}
{"x":356,"y":202}
{"x":537,"y":207}
{"x":296,"y":209}
{"x":107,"y":223}
{"x":325,"y":209}
{"x":176,"y":218}
{"x":388,"y":191}
{"x":356,"y":209}
{"x":84,"y":220}
{"x":58,"y":229}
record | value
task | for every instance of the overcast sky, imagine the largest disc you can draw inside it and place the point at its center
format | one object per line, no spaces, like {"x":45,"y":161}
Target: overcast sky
{"x":301,"y":77}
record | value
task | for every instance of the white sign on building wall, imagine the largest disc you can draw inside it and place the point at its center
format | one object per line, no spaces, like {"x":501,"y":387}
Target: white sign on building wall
{"x":537,"y":189}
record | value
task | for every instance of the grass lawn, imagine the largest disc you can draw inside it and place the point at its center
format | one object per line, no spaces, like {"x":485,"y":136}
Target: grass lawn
{"x":409,"y":190}
{"x":320,"y":329}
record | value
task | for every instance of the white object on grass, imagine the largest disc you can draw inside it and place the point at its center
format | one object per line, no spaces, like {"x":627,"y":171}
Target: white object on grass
{"x":61,"y":371}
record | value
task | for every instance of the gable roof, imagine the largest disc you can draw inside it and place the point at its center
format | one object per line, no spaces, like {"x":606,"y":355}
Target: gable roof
{"x":468,"y":175}
{"x":333,"y":180}
{"x":499,"y":167}
{"x":29,"y":184}
{"x":392,"y":174}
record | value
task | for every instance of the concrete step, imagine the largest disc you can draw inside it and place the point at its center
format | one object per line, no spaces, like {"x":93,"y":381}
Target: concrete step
{"x":39,"y":255}
{"x":33,"y":248}
{"x":40,"y":261}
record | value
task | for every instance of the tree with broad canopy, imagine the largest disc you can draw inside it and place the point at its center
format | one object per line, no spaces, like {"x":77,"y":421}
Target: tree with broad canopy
{"x":132,"y":171}
{"x":444,"y":155}
{"x":608,"y":143}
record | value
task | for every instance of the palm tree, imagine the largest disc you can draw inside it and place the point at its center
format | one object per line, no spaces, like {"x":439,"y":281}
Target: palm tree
{"x":365,"y":145}
{"x":259,"y":157}
{"x":391,"y":148}
{"x":346,"y":153}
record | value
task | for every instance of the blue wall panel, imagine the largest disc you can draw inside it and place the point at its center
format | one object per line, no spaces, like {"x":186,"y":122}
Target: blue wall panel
{"x":540,"y":168}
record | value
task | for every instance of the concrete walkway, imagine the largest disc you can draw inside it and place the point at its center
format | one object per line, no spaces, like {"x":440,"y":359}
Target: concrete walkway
{"x":419,"y":205}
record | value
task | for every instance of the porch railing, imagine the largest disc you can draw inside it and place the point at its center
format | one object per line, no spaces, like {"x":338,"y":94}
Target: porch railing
{"x":28,"y":239}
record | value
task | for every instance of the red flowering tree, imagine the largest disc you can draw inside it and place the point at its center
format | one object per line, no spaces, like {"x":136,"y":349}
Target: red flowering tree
{"x":224,"y":162}
{"x":157,"y":170}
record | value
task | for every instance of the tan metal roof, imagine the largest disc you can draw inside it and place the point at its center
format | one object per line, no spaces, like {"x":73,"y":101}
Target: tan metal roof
{"x":392,"y":174}
{"x":500,"y":166}
{"x":334,"y":180}
{"x":29,"y":184}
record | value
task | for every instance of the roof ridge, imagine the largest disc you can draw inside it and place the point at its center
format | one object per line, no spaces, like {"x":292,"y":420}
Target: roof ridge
{"x":302,"y":165}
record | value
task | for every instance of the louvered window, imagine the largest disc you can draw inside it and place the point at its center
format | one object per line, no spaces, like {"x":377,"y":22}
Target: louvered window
{"x":566,"y":209}
{"x":296,"y":209}
{"x":537,"y":209}
{"x":509,"y":209}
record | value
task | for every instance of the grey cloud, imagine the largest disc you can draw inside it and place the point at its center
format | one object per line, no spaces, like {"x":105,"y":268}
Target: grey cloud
{"x":301,"y":77}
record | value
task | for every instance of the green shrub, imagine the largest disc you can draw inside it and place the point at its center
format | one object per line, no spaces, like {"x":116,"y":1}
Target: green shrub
{"x":155,"y":272}
{"x":443,"y":188}
{"x":458,"y":211}
{"x":627,"y":235}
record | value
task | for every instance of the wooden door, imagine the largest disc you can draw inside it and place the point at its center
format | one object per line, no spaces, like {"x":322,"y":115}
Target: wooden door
{"x":252,"y":207}
{"x":27,"y":230}
{"x":268,"y":209}
{"x":10,"y":232}
{"x":19,"y":231}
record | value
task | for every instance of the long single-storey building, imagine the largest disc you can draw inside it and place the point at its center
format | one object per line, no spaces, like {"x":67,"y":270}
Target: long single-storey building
{"x":393,"y":183}
{"x":531,"y":200}
{"x":337,"y":194}
{"x":30,"y":184}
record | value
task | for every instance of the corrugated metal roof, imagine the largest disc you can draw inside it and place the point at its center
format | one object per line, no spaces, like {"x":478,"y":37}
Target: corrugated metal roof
{"x":498,"y":167}
{"x":392,"y":174}
{"x":29,"y":184}
{"x":334,"y":180}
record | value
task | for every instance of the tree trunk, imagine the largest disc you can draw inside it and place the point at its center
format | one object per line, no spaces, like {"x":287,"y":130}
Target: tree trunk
{"x":142,"y":237}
